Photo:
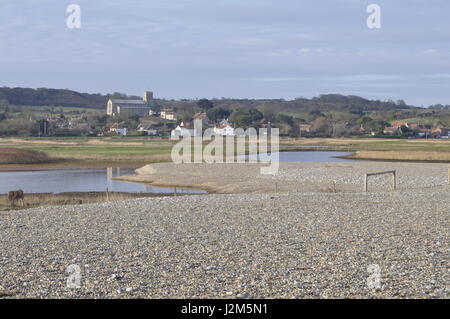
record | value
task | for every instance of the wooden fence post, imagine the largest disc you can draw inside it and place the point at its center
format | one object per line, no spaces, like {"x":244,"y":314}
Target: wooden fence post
{"x":395,"y":180}
{"x":366,"y":181}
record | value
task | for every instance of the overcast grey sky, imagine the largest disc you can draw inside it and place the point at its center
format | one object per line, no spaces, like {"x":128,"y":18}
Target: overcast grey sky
{"x":230,"y":48}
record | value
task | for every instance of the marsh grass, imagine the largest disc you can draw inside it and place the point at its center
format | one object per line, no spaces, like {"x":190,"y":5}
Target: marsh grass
{"x":135,"y":151}
{"x":432,"y":150}
{"x":414,"y":156}
{"x":20,"y":156}
{"x":85,"y":151}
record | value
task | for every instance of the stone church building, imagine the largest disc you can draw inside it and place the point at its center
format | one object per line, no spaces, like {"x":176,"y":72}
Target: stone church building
{"x":130,"y":107}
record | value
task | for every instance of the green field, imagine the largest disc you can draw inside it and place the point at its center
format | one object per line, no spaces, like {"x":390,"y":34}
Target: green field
{"x":132,"y":151}
{"x":96,"y":151}
{"x":38,"y":112}
{"x":434,"y":150}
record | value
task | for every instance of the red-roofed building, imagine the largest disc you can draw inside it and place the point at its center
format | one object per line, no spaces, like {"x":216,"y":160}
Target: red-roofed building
{"x":224,"y":129}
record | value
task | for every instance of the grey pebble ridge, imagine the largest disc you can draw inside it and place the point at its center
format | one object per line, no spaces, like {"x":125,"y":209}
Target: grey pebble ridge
{"x":291,"y":245}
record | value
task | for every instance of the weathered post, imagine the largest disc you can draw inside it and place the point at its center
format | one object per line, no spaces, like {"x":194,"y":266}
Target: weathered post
{"x":175,"y":191}
{"x":395,"y":180}
{"x":449,"y":176}
{"x":366,"y":178}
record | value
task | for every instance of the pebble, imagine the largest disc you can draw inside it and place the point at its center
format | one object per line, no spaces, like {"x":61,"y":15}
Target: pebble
{"x":307,"y":245}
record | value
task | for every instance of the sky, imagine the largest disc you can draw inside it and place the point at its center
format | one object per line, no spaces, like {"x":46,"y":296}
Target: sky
{"x":230,"y":48}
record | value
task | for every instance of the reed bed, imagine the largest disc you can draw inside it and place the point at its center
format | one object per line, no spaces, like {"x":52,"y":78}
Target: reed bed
{"x":19,"y":156}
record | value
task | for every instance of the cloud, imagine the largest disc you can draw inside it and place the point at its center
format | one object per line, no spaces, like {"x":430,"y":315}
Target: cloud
{"x":438,"y":76}
{"x":241,"y":48}
{"x":341,"y":78}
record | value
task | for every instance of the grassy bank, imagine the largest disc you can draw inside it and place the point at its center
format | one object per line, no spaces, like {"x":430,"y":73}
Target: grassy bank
{"x":406,"y":156}
{"x":138,"y":151}
{"x":76,"y":152}
{"x":432,"y":150}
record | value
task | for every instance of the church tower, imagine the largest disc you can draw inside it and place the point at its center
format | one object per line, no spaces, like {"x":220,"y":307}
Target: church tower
{"x":148,"y":98}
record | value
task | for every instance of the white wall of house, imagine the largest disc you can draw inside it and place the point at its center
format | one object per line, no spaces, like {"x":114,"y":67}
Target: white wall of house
{"x":225,"y":131}
{"x":181,"y":131}
{"x":122,"y":131}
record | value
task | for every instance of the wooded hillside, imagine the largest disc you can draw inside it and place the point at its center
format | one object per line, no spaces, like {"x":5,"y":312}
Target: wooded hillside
{"x":327,"y":102}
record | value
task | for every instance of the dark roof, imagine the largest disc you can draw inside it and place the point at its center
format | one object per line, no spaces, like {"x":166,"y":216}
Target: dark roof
{"x":121,"y":101}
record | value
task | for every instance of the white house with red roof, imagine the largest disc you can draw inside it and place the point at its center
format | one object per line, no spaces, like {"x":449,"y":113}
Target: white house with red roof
{"x":224,"y":129}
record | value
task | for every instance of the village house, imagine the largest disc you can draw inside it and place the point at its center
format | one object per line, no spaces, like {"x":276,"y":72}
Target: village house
{"x":148,"y":129}
{"x":185,"y":129}
{"x":424,"y":132}
{"x":440,"y":132}
{"x":225,"y":129}
{"x":58,"y":122}
{"x":75,"y":121}
{"x":224,"y":121}
{"x":411,"y":128}
{"x":400,"y":124}
{"x":168,"y":114}
{"x":416,"y":129}
{"x":130,"y":107}
{"x":118,"y":129}
{"x":305,"y":128}
{"x":202,"y":117}
{"x":391,"y":130}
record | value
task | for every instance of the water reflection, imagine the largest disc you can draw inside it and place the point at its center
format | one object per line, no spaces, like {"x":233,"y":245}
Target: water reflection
{"x":78,"y":180}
